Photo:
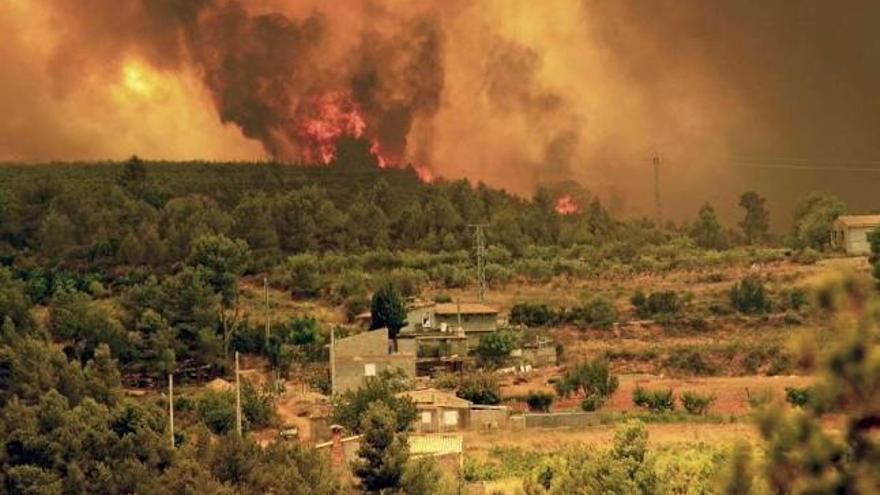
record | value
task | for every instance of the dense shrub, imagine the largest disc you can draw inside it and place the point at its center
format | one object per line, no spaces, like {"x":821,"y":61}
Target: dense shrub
{"x":592,"y":402}
{"x":591,"y":379}
{"x":531,"y":314}
{"x":495,"y":347}
{"x":596,"y":311}
{"x":749,"y":296}
{"x":798,"y":396}
{"x":695,"y":403}
{"x":657,"y":303}
{"x":539,"y":401}
{"x":689,"y":361}
{"x":655,"y":401}
{"x":479,"y":388}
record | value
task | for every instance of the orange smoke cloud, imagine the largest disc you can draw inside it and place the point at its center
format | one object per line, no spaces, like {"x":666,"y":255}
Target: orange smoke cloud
{"x":514,"y":93}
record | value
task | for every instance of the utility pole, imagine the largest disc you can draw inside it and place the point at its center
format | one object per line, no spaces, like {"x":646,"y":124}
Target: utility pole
{"x":657,"y":211}
{"x":171,"y":406}
{"x":332,"y":361}
{"x":237,"y":398}
{"x":480,"y":242}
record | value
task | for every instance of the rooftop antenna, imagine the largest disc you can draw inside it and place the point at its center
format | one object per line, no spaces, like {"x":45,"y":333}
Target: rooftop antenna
{"x":480,"y":242}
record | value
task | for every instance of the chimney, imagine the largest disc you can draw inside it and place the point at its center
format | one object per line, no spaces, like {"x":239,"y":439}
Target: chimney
{"x":337,"y":451}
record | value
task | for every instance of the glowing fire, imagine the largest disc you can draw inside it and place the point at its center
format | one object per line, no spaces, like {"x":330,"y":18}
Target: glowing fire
{"x":565,"y":205}
{"x":333,"y":116}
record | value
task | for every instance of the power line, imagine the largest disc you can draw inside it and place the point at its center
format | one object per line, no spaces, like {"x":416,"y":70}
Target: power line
{"x":816,"y":168}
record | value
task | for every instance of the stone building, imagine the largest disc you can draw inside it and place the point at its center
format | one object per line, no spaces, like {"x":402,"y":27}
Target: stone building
{"x":849,"y":233}
{"x":439,"y":411}
{"x":359,"y":357}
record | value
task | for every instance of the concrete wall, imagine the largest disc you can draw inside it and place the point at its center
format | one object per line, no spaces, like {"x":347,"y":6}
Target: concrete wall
{"x":356,"y":355}
{"x":436,"y":424}
{"x":470,"y":322}
{"x":490,"y":419}
{"x":557,"y":420}
{"x":856,"y":240}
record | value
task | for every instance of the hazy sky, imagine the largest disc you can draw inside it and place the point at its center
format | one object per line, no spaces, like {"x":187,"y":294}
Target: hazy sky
{"x":511,"y":92}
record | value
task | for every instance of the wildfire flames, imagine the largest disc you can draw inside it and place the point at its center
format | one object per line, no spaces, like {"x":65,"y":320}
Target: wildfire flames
{"x":566,"y":205}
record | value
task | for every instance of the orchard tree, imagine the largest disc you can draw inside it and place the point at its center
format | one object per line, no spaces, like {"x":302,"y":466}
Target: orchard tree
{"x":756,"y":222}
{"x":706,"y":231}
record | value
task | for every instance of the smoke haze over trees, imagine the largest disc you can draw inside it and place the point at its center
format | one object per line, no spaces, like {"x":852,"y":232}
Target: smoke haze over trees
{"x":512,"y":93}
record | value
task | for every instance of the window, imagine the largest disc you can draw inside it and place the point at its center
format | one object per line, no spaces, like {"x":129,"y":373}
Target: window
{"x":427,"y":417}
{"x":450,"y":418}
{"x":370,"y":369}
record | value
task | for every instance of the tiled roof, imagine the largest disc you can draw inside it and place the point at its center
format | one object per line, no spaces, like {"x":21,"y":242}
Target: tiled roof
{"x":465,"y":309}
{"x":435,"y":397}
{"x":859,"y":220}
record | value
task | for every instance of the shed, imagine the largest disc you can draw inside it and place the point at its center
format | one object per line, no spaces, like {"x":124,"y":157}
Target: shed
{"x":849,"y":233}
{"x":439,"y":410}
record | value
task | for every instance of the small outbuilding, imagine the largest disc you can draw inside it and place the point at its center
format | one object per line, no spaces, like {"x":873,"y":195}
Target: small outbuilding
{"x":439,"y":410}
{"x":849,"y":233}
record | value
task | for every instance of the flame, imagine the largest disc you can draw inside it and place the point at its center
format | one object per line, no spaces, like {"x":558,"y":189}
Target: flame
{"x":566,"y":205}
{"x":330,"y":117}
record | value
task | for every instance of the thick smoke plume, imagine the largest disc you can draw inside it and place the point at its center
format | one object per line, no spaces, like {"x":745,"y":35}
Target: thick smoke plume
{"x":515,"y":93}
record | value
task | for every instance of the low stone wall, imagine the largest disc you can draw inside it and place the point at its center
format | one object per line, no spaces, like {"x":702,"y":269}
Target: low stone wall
{"x":489,"y":419}
{"x":562,"y":419}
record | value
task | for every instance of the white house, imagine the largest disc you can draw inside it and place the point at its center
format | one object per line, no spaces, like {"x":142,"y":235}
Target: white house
{"x":849,"y":233}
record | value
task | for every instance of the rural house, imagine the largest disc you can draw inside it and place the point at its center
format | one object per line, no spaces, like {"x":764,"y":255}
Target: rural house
{"x":444,"y":329}
{"x":359,"y":357}
{"x":474,"y":319}
{"x":439,"y":410}
{"x":849,"y":233}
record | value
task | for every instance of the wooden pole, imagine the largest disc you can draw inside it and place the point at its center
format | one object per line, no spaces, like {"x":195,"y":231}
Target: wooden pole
{"x":237,"y":397}
{"x":332,"y":361}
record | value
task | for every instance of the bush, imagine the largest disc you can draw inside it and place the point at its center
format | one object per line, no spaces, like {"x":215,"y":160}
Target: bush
{"x":592,"y":402}
{"x":749,"y":296}
{"x":495,"y":347}
{"x":695,"y":403}
{"x":798,"y":396}
{"x":658,"y":303}
{"x":479,"y":388}
{"x":656,"y":401}
{"x":807,"y":256}
{"x":539,"y":401}
{"x":597,"y":311}
{"x":531,"y":314}
{"x":592,"y":378}
{"x":690,"y":361}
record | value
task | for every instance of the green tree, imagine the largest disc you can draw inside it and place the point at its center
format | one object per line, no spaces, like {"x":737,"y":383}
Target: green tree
{"x":803,"y":456}
{"x":383,"y":451}
{"x":748,"y":295}
{"x":706,"y":232}
{"x":351,"y":406}
{"x":479,"y":388}
{"x":424,"y":476}
{"x":874,"y":240}
{"x":494,"y":348}
{"x":593,"y":379}
{"x":813,"y":216}
{"x":756,"y":222}
{"x":388,"y":310}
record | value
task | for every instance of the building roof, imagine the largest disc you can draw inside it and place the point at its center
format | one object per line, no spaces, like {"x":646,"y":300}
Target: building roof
{"x":440,"y":444}
{"x":435,"y":397}
{"x":859,"y":220}
{"x":465,"y":309}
